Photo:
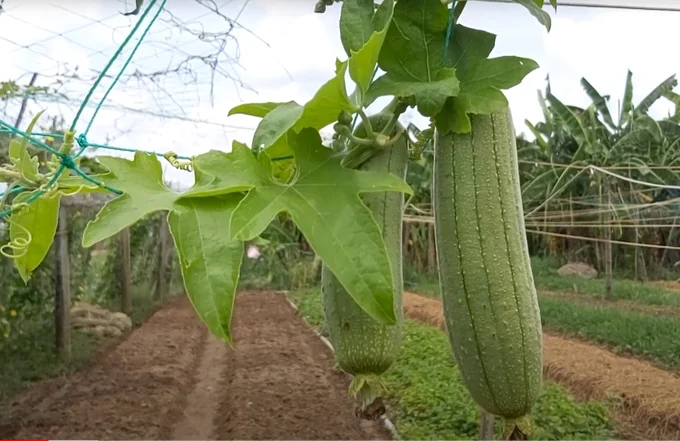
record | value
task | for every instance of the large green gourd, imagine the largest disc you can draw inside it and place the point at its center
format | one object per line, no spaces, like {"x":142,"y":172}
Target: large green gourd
{"x":488,"y":293}
{"x":363,"y":347}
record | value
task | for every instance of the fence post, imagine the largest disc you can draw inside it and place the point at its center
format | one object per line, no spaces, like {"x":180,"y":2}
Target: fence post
{"x":608,"y":251}
{"x":62,"y":279}
{"x":125,"y":272}
{"x":431,"y":250}
{"x":162,"y":259}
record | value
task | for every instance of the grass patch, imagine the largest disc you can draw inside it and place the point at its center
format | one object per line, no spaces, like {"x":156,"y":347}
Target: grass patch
{"x":31,"y":356}
{"x":547,"y":279}
{"x":429,"y":401}
{"x":654,"y":338}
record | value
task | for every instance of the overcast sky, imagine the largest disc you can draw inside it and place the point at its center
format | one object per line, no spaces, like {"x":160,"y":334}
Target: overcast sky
{"x":285,"y":52}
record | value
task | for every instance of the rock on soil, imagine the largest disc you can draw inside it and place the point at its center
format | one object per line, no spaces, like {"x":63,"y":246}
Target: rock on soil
{"x":578,"y":269}
{"x":95,"y":320}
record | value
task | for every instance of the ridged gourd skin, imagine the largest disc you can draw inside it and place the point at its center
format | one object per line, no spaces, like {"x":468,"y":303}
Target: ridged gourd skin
{"x":488,"y":293}
{"x":362,"y":345}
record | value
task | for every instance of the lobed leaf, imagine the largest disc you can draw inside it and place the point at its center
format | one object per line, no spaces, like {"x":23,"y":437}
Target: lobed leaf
{"x":413,"y":57}
{"x":340,"y":228}
{"x":481,"y":79}
{"x":144,"y":192}
{"x":209,"y":260}
{"x":36,"y":224}
{"x":535,"y":8}
{"x":254,"y":109}
{"x":356,"y":24}
{"x":319,"y":112}
{"x":363,"y":61}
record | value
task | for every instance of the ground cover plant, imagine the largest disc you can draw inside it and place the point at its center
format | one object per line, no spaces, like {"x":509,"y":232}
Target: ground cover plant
{"x":653,"y":338}
{"x":428,"y":400}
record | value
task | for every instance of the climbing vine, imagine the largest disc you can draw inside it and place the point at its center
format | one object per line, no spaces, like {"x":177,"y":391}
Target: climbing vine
{"x":430,"y":63}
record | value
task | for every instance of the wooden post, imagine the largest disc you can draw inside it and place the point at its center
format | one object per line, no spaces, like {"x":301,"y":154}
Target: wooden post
{"x":125,"y":272}
{"x":486,"y":426}
{"x":431,"y":250}
{"x":608,"y":249}
{"x":62,"y":279}
{"x":162,"y":259}
{"x":405,"y":236}
{"x":24,"y":101}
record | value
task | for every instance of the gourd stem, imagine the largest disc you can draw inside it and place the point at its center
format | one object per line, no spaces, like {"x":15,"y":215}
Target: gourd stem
{"x":486,"y":426}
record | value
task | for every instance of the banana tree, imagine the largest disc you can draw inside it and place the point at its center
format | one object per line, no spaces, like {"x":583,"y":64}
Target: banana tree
{"x":584,"y":154}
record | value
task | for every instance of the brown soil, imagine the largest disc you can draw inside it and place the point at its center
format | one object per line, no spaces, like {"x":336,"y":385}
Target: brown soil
{"x":647,"y":399}
{"x":671,"y":285}
{"x":627,"y":305}
{"x":170,"y":379}
{"x":280,"y":382}
{"x":203,"y":402}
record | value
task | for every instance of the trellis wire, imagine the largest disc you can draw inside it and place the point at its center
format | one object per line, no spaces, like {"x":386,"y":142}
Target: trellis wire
{"x":65,"y":157}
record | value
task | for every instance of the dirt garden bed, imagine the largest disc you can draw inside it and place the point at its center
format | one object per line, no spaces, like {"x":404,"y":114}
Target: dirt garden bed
{"x":170,"y":379}
{"x":646,"y":399}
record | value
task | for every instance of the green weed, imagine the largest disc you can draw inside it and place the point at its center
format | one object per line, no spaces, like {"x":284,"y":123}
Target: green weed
{"x":429,"y":401}
{"x":655,"y":338}
{"x":547,"y":279}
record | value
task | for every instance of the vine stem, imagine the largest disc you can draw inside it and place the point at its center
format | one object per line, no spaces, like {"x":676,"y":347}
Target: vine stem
{"x":367,"y":122}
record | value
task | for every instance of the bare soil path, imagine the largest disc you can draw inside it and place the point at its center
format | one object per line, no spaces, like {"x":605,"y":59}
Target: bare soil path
{"x":203,"y":401}
{"x":170,"y":379}
{"x":646,"y":399}
{"x":280,"y":382}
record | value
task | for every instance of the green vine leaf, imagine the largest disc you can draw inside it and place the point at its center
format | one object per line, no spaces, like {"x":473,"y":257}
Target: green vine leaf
{"x":535,"y":7}
{"x":276,"y":124}
{"x":324,"y":108}
{"x":363,"y":35}
{"x":319,"y":112}
{"x":340,"y":229}
{"x":70,"y":185}
{"x":412,"y":57}
{"x":211,"y":181}
{"x":209,"y":260}
{"x":141,"y":181}
{"x":254,"y":109}
{"x":40,"y":220}
{"x":209,"y":257}
{"x":356,"y":24}
{"x":323,"y":200}
{"x":481,"y":79}
{"x":22,"y":161}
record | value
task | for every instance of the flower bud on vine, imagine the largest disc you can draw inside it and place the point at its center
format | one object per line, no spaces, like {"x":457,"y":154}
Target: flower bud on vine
{"x":345,"y":118}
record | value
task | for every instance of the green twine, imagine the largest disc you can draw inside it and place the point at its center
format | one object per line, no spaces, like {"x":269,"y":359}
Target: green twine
{"x":124,"y":149}
{"x":110,"y":63}
{"x":449,"y":30}
{"x":44,"y":134}
{"x":127,"y":62}
{"x":66,"y":160}
{"x":15,"y":131}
